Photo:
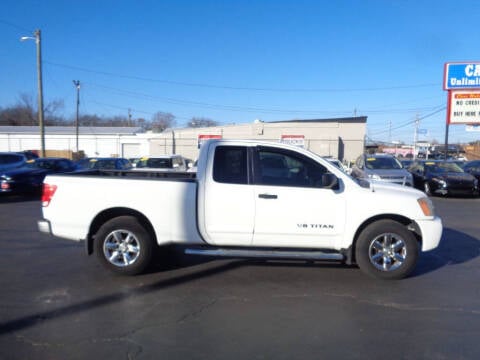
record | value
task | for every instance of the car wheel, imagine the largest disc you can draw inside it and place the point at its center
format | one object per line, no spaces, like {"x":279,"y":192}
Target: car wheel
{"x":386,"y":249}
{"x":124,"y":246}
{"x":426,"y":188}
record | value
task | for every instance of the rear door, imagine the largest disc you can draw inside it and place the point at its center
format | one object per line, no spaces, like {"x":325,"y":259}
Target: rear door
{"x":292,"y":205}
{"x":229,"y":198}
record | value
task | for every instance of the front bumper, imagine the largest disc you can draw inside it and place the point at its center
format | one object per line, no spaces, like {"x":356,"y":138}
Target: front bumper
{"x":431,"y":231}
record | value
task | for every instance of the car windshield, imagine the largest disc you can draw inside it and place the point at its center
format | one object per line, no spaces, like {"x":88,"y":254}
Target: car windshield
{"x":382,"y":163}
{"x":444,"y":167}
{"x":102,"y":164}
{"x":156,"y":163}
{"x":40,"y":164}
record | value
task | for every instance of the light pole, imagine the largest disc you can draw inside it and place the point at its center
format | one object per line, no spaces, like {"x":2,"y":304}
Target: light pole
{"x":77,"y":85}
{"x":38,"y":41}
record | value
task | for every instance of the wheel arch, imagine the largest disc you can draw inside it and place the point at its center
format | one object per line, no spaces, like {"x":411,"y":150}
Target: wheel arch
{"x":112,"y":213}
{"x":408,"y":223}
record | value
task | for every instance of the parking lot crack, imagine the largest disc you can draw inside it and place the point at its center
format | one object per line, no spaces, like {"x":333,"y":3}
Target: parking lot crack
{"x":197,"y":312}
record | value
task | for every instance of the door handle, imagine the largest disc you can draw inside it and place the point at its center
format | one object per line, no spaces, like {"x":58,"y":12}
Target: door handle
{"x":267,"y":196}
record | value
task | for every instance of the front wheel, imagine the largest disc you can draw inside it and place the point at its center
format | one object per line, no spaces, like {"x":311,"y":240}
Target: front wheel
{"x":386,"y":249}
{"x":124,"y":246}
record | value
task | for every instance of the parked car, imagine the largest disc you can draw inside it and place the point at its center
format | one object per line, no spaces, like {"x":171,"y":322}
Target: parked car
{"x":406,"y":163}
{"x":29,"y":177}
{"x":473,"y":167}
{"x":163,"y":163}
{"x":437,"y":177}
{"x":336,"y":162}
{"x":108,"y":163}
{"x":11,"y":160}
{"x":381,"y":167}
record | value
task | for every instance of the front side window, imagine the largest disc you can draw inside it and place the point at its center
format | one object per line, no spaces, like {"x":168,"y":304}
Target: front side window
{"x":285,"y":168}
{"x":230,"y":165}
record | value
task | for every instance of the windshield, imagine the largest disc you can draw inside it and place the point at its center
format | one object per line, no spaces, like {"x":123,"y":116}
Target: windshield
{"x":156,"y":163}
{"x":443,"y":168}
{"x":382,"y":163}
{"x":40,"y":164}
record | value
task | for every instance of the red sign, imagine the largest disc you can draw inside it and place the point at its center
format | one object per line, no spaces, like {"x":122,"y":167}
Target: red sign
{"x":205,"y":137}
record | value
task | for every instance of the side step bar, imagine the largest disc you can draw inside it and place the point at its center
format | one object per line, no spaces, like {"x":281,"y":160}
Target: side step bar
{"x":267,"y":254}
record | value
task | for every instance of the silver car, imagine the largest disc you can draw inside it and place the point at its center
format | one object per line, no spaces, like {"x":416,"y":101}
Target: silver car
{"x":381,"y":167}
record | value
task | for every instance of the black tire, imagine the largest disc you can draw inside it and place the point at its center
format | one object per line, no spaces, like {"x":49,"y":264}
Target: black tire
{"x":386,"y":249}
{"x":124,"y":246}
{"x":426,"y":188}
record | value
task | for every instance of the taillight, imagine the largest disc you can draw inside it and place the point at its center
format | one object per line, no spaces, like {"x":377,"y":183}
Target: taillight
{"x":47,"y":194}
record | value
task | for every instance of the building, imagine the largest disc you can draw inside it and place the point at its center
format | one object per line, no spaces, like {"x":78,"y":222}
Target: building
{"x":342,"y":138}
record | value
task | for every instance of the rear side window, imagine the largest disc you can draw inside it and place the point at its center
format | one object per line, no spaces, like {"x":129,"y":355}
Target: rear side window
{"x":6,"y":159}
{"x":230,"y":165}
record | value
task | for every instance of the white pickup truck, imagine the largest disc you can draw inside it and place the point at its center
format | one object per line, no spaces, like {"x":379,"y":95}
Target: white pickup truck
{"x":247,"y":199}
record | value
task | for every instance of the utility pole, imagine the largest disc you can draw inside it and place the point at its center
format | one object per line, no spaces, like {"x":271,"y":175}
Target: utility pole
{"x":77,"y":85}
{"x":129,"y":117}
{"x":41,"y":123}
{"x":415,"y":138}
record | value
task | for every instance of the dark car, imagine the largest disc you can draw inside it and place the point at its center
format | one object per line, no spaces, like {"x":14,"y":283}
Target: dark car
{"x":473,"y":167}
{"x":29,"y":177}
{"x":442,"y":178}
{"x":109,"y":163}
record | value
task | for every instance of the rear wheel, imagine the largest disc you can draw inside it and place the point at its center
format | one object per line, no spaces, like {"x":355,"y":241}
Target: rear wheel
{"x":124,"y":246}
{"x":386,"y":249}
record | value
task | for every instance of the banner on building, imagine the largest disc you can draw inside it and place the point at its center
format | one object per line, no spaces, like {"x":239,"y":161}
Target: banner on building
{"x":296,"y":140}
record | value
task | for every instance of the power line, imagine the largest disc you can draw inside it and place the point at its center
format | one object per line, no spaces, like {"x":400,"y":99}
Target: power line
{"x":226,"y":87}
{"x":253,"y":109}
{"x":18,"y":27}
{"x":410,"y":122}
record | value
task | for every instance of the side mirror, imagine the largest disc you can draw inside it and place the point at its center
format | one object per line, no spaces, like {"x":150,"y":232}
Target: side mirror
{"x":329,"y":181}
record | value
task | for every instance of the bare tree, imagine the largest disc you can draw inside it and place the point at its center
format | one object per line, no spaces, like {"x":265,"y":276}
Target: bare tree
{"x":162,"y":120}
{"x":201,"y":122}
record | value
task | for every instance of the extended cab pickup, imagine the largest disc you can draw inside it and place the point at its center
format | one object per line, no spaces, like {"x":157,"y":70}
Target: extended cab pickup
{"x":247,"y":199}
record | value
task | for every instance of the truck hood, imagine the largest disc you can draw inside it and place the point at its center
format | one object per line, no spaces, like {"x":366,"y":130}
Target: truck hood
{"x":390,"y":188}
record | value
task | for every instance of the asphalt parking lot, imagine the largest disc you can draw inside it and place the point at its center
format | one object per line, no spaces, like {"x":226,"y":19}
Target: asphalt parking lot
{"x":57,"y":303}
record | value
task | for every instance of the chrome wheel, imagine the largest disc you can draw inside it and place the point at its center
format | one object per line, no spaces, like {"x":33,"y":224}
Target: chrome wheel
{"x":387,"y":252}
{"x":121,"y":248}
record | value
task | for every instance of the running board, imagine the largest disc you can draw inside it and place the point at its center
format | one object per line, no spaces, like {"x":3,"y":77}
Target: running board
{"x":267,"y":254}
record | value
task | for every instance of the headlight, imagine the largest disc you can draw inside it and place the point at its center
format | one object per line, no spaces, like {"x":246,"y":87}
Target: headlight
{"x":427,"y":206}
{"x":374,"y":177}
{"x":440,"y":181}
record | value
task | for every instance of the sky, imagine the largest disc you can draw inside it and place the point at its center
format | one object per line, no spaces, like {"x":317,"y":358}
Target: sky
{"x":238,"y":61}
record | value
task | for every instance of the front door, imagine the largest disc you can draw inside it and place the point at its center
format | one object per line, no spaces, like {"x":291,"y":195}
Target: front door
{"x":293,"y":208}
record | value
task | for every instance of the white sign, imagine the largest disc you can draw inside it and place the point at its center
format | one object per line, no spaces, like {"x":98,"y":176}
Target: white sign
{"x":463,"y":107}
{"x":297,"y":140}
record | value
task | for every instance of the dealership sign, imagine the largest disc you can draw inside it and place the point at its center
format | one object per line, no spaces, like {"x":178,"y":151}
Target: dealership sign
{"x":297,"y":140}
{"x":462,"y":76}
{"x":463,"y":107}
